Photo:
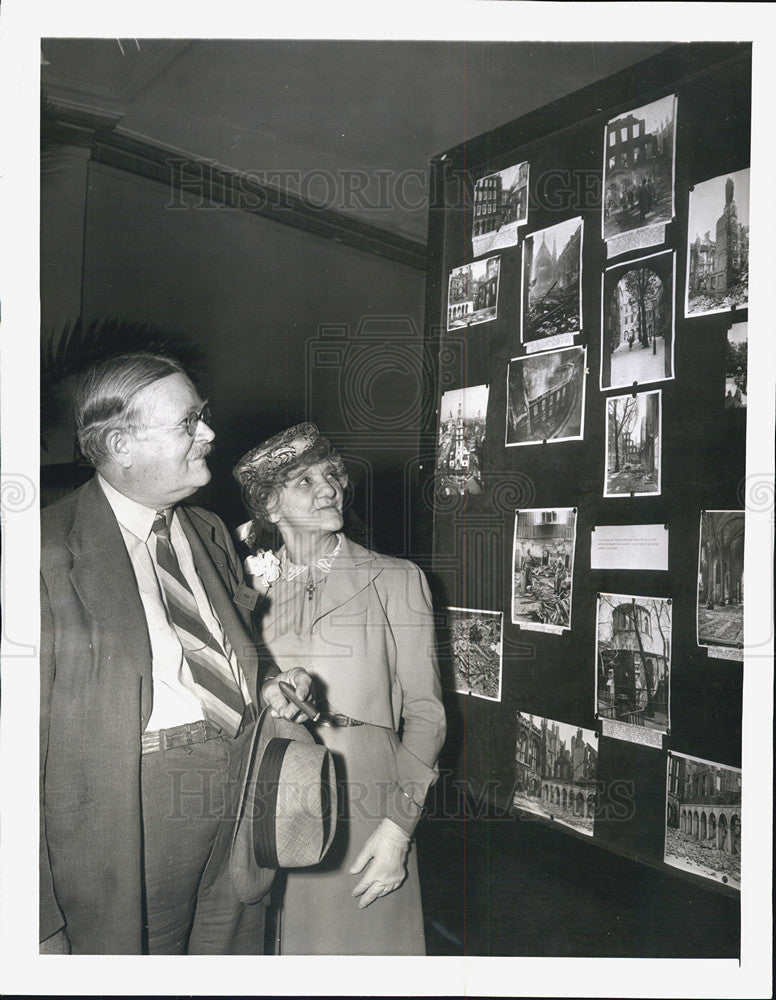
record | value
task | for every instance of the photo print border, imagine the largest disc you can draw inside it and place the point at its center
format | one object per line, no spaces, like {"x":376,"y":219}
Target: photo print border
{"x":707,"y":269}
{"x":482,"y":288}
{"x":563,"y":401}
{"x":648,"y":449}
{"x":558,"y":279}
{"x":635,"y":369}
{"x":550,"y":582}
{"x":630,"y":691}
{"x":703,"y":832}
{"x":462,"y":614}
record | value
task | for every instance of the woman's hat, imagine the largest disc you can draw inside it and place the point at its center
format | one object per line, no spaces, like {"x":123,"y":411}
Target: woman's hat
{"x":266,"y":459}
{"x":287,"y":813}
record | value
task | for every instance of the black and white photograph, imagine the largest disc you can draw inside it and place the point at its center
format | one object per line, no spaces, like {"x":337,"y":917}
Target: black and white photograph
{"x":546,"y":397}
{"x":633,"y":445}
{"x":281,"y":314}
{"x":633,"y":664}
{"x":472,"y":293}
{"x":556,"y":769}
{"x":543,"y":568}
{"x":703,"y":818}
{"x":718,"y":245}
{"x":637,"y":321}
{"x":552,"y":287}
{"x":736,"y":366}
{"x":721,"y":583}
{"x":500,"y":206}
{"x":476,"y":651}
{"x":639,"y":168}
{"x":462,"y":424}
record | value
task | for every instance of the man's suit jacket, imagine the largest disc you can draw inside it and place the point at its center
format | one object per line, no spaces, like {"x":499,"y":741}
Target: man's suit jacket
{"x":96,"y":698}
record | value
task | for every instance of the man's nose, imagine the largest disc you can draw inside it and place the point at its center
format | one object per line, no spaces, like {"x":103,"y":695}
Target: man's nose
{"x":204,"y":431}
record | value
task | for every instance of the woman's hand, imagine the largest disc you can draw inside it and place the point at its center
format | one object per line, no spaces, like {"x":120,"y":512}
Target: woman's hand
{"x":387,"y":848}
{"x":280,"y":706}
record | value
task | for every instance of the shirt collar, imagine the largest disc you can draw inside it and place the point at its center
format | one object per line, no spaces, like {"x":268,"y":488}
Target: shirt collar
{"x":323,"y":565}
{"x":130,"y":514}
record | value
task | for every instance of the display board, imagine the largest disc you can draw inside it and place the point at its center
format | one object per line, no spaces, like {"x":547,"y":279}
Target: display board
{"x":587,"y":308}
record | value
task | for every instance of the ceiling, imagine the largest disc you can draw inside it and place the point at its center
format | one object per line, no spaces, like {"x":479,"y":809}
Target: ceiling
{"x":349,"y":124}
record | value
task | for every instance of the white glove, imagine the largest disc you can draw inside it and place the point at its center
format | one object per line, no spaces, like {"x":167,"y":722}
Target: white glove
{"x":387,"y":848}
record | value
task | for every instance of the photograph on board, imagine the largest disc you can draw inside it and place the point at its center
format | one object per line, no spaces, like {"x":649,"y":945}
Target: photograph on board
{"x":472,"y":293}
{"x":475,"y":651}
{"x":718,"y":245}
{"x":556,"y":768}
{"x":721,"y":583}
{"x":633,"y":664}
{"x":462,"y":421}
{"x":552,"y":287}
{"x":703,"y":818}
{"x":736,"y":357}
{"x":546,"y":397}
{"x":637,"y":322}
{"x":639,"y":168}
{"x":500,"y":206}
{"x":543,"y":568}
{"x":633,"y":445}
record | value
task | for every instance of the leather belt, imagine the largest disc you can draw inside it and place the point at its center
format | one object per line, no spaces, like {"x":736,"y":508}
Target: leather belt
{"x":190,"y":733}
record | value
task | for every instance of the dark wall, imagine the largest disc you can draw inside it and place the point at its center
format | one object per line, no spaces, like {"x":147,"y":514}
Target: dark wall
{"x":703,"y":451}
{"x":247,"y":299}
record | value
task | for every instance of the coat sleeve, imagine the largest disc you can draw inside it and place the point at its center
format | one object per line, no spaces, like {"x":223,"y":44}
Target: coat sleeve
{"x":411,"y":620}
{"x":51,"y":918}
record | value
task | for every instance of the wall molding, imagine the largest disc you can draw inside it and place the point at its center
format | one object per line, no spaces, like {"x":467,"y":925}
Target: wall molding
{"x":192,"y":178}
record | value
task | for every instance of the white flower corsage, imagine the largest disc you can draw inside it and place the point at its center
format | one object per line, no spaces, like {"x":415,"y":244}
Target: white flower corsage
{"x":264,"y":564}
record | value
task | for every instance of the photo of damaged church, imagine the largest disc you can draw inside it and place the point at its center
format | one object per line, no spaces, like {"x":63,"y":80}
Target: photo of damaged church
{"x":718,"y":245}
{"x":721,"y":581}
{"x":703,"y":818}
{"x":633,"y":651}
{"x":556,"y":767}
{"x":552,"y":298}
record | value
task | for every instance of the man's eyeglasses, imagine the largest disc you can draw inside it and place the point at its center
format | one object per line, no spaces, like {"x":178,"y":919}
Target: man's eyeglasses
{"x":191,"y":421}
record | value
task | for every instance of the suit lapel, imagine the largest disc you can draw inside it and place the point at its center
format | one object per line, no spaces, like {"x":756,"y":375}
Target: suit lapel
{"x":219,"y":581}
{"x":103,"y":577}
{"x":352,"y":571}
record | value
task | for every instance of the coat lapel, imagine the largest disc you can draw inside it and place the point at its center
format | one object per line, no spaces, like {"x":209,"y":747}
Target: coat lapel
{"x":103,"y":577}
{"x":353,"y":570}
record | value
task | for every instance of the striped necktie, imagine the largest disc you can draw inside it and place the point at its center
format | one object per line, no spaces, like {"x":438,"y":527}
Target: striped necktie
{"x":220,"y":695}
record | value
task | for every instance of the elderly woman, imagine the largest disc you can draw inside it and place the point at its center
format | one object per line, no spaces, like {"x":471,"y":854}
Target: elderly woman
{"x":361,"y":624}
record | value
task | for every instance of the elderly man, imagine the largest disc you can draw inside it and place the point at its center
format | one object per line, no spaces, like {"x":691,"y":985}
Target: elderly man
{"x":149,"y":683}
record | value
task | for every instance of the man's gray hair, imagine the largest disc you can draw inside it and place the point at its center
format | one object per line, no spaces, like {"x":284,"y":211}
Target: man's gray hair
{"x":104,"y":397}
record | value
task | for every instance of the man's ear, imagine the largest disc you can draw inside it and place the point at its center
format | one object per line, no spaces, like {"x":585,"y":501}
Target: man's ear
{"x":118,"y":445}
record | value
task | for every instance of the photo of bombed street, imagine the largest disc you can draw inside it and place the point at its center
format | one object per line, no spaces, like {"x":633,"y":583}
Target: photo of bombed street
{"x":543,"y":565}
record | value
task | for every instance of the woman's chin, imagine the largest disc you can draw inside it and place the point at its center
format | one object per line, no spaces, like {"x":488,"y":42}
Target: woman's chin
{"x":331,"y":519}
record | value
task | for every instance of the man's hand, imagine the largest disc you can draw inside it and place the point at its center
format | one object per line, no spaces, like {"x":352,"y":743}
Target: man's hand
{"x":280,"y":706}
{"x":387,"y":848}
{"x":57,"y":944}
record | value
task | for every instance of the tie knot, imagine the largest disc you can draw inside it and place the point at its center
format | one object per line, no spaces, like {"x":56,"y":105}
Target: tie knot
{"x":161,"y":525}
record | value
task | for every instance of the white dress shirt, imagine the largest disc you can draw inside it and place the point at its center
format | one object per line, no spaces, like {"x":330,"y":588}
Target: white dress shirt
{"x":175,"y":701}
